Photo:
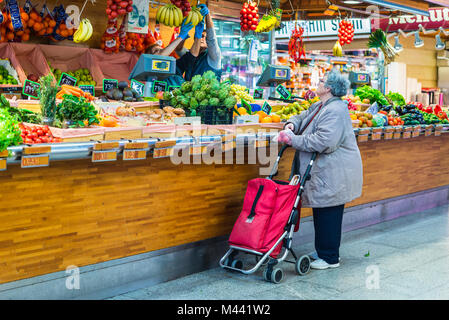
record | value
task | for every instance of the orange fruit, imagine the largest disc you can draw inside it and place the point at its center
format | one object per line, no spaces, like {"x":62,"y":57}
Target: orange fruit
{"x":267,"y":119}
{"x":10,"y":36}
{"x":24,"y":16}
{"x":30,"y":23}
{"x":25,"y":37}
{"x":275,"y":118}
{"x":34,"y":15}
{"x":261,"y":115}
{"x":242,"y":111}
{"x":65,"y":33}
{"x":37,"y":26}
{"x":42,"y":32}
{"x":19,"y":33}
{"x":49,"y":30}
{"x":52,"y":23}
{"x":62,"y":26}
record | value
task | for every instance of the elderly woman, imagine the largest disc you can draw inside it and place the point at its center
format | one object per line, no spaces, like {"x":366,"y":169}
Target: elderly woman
{"x":336,"y":177}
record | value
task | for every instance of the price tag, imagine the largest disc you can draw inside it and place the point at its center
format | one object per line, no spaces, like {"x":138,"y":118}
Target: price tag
{"x":246,"y":119}
{"x":162,"y":152}
{"x":31,"y":89}
{"x":284,"y":93}
{"x":138,"y":86}
{"x":171,"y":88}
{"x":136,"y":145}
{"x":105,"y":146}
{"x":88,"y":88}
{"x":266,"y":108}
{"x":134,"y":154}
{"x":247,"y":106}
{"x":2,"y":164}
{"x":109,"y":84}
{"x":67,"y":79}
{"x":158,"y":86}
{"x":35,"y":161}
{"x":164,"y":144}
{"x":258,"y":94}
{"x":197,"y":149}
{"x":103,"y":156}
{"x":4,"y":154}
{"x":36,"y":150}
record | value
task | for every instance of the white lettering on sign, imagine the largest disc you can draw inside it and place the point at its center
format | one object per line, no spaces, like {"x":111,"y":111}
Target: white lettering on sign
{"x":319,"y":28}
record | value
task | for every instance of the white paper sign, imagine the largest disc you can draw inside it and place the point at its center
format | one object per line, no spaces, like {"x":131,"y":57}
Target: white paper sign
{"x":138,"y":18}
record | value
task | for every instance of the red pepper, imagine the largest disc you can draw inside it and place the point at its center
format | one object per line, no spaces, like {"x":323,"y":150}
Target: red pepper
{"x":437,"y":109}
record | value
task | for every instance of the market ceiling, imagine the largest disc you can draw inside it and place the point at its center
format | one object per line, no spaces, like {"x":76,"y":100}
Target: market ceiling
{"x":315,"y":9}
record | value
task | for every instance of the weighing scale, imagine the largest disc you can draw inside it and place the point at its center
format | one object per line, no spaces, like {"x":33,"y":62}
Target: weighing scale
{"x":272,"y":76}
{"x":150,"y":68}
{"x":359,"y":79}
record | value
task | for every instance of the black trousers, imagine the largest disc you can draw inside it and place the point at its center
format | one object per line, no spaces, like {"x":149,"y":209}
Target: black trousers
{"x":327,"y":223}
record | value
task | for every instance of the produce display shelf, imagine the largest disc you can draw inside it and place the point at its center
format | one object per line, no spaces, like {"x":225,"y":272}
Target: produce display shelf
{"x":83,"y":150}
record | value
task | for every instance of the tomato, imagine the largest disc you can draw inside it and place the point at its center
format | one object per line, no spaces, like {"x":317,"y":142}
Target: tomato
{"x":44,"y":139}
{"x":348,"y":41}
{"x":28,"y":141}
{"x":243,"y":11}
{"x":253,"y":27}
{"x":245,"y":21}
{"x":32,"y":135}
{"x":245,"y":5}
{"x":257,"y":16}
{"x":250,"y":16}
{"x":38,"y":140}
{"x":40,"y":132}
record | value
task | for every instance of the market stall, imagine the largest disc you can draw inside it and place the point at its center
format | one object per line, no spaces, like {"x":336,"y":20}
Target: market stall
{"x":95,"y":169}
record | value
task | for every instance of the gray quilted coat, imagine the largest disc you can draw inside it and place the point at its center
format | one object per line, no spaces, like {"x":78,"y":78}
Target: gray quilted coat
{"x":337,"y":174}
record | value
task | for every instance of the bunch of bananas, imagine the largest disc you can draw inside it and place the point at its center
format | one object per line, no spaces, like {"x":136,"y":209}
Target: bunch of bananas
{"x":194,"y":16}
{"x":84,"y":31}
{"x":337,"y":49}
{"x":170,"y":15}
{"x":267,"y":23}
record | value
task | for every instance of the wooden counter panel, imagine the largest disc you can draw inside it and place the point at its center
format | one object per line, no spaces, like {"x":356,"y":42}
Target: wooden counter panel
{"x":81,"y":213}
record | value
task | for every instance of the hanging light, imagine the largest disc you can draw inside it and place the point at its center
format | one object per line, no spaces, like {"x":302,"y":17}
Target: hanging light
{"x":397,"y":46}
{"x":418,"y":41}
{"x":439,"y":44}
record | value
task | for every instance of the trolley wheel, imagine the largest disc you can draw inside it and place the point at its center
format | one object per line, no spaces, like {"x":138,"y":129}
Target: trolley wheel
{"x":238,"y":264}
{"x":258,"y":259}
{"x":277,"y":275}
{"x":302,"y":265}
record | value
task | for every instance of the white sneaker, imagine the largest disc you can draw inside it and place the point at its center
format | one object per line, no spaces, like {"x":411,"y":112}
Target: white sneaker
{"x":320,"y":264}
{"x":314,"y":256}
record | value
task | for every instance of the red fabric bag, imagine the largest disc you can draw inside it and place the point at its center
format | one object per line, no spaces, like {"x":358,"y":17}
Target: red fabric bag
{"x":266,"y":210}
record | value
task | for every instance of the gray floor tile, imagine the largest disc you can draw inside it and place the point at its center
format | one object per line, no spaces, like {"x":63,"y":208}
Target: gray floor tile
{"x":410,"y":253}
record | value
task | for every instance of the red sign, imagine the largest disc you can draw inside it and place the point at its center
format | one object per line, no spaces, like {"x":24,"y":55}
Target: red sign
{"x":439,"y":17}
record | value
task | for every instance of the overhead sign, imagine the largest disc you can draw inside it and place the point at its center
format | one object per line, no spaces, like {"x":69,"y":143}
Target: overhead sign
{"x":439,"y":17}
{"x":322,"y":28}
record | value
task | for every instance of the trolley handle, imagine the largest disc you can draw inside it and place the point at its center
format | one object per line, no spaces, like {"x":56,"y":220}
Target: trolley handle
{"x":274,"y":171}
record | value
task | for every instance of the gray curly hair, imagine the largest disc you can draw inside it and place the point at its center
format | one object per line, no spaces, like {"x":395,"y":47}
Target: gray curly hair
{"x":338,"y":83}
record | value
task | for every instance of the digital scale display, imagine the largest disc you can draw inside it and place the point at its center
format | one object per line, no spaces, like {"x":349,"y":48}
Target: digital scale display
{"x":160,"y":65}
{"x":281,"y":74}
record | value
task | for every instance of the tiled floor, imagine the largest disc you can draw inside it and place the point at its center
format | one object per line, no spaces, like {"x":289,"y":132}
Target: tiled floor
{"x":408,"y":259}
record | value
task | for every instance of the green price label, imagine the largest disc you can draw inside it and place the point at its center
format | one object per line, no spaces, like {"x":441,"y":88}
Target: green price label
{"x":171,"y":88}
{"x":138,"y":86}
{"x":247,"y":106}
{"x":109,"y":84}
{"x":258,"y":94}
{"x":266,"y":108}
{"x":67,"y":79}
{"x":159,"y":86}
{"x":31,"y":89}
{"x":88,"y":88}
{"x":284,"y":93}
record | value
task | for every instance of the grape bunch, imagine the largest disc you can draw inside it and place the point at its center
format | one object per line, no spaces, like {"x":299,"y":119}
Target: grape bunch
{"x":184,"y":5}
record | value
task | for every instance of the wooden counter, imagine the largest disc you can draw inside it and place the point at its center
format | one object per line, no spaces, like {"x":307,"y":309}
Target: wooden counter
{"x":81,"y":213}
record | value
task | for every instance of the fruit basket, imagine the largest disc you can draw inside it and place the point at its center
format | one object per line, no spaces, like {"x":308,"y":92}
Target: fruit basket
{"x":31,"y":59}
{"x":78,"y":62}
{"x":10,"y":67}
{"x":212,"y":115}
{"x":115,"y":66}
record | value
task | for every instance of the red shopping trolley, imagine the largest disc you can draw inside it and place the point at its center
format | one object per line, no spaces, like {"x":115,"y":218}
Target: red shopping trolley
{"x":270,"y":216}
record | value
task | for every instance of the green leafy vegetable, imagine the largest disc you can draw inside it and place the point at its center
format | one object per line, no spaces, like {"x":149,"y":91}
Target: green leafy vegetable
{"x":9,"y":130}
{"x":396,"y":99}
{"x":47,"y":96}
{"x":373,"y":95}
{"x":78,"y":110}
